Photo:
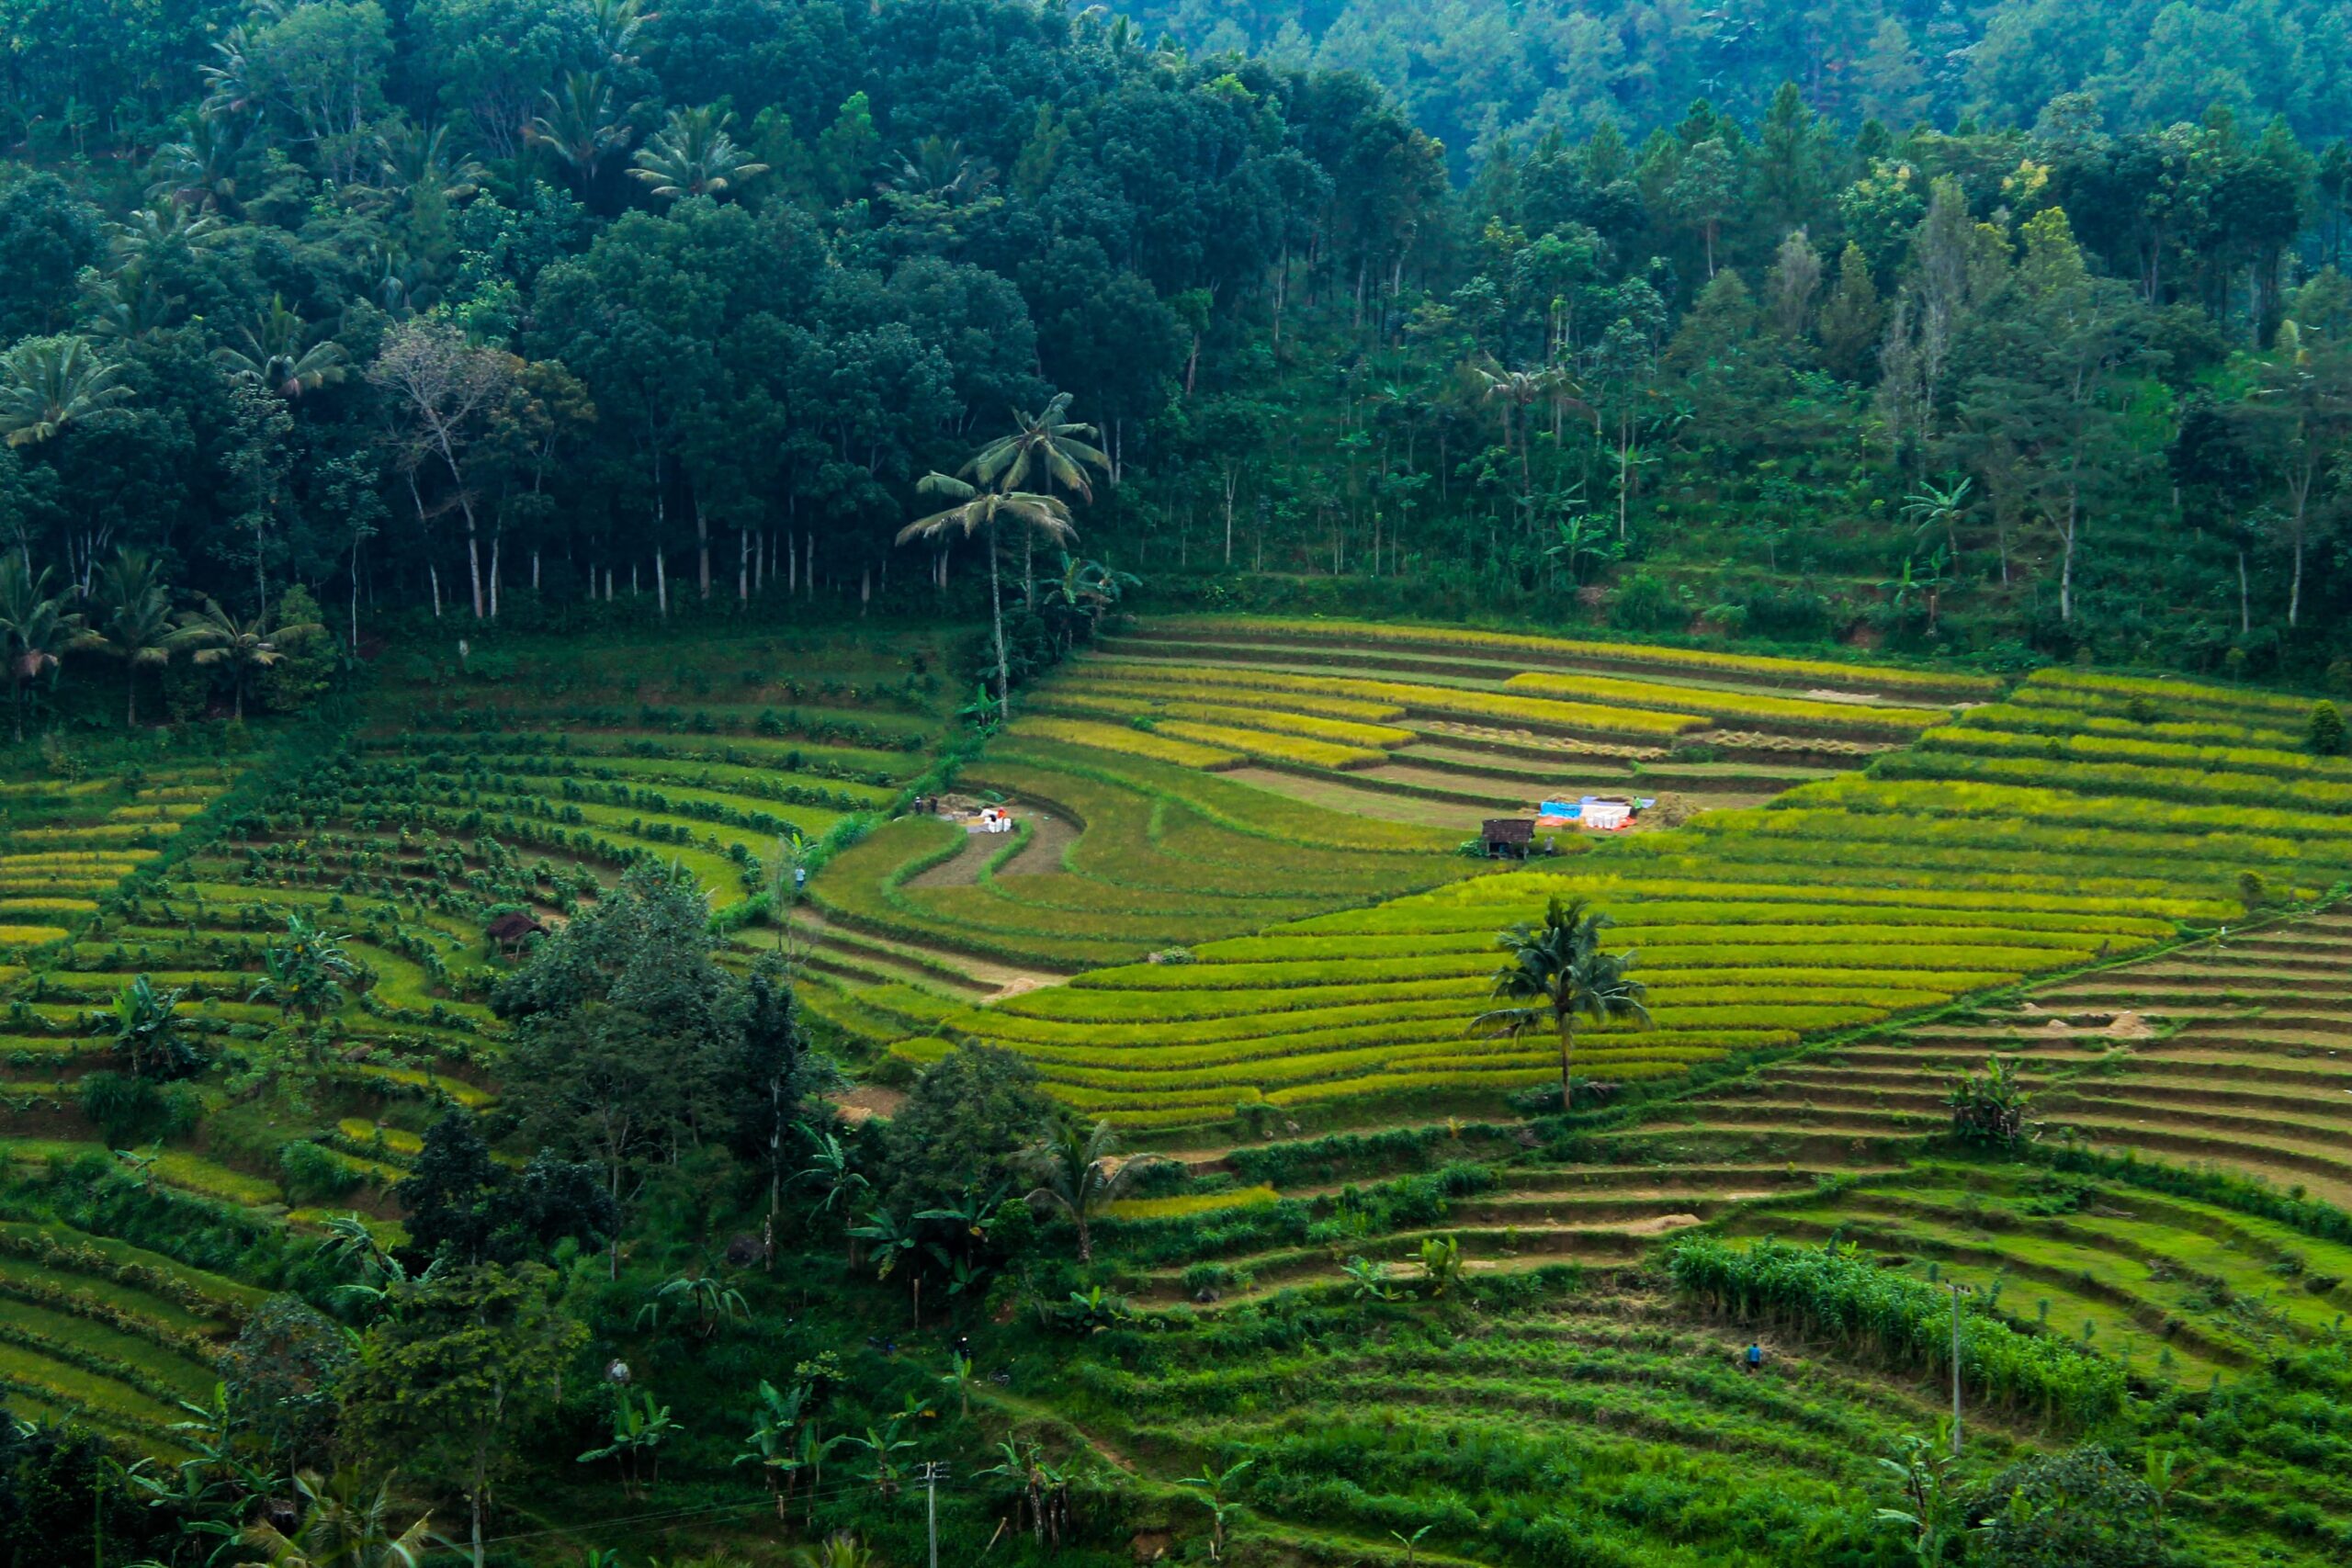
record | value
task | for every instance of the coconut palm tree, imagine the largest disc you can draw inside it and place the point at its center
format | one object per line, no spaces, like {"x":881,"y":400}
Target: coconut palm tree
{"x":424,"y":161}
{"x":940,"y":170}
{"x":694,"y":155}
{"x":279,"y":351}
{"x":615,"y":24}
{"x":161,"y":227}
{"x":579,"y":126}
{"x":1052,"y":446}
{"x":200,"y":169}
{"x":46,"y":383}
{"x":1558,"y":972}
{"x":139,"y":629}
{"x":242,"y":648}
{"x":1928,"y":508}
{"x":36,"y":629}
{"x":1521,"y":390}
{"x":129,"y":305}
{"x":1077,"y":1174}
{"x":1048,"y":445}
{"x":975,"y":509}
{"x":343,"y":1525}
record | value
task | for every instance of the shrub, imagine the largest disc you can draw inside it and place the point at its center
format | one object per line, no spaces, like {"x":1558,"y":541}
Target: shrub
{"x":1647,"y":603}
{"x":2080,"y":1509}
{"x":128,"y":1109}
{"x":2325,"y":734}
{"x":312,"y":1174}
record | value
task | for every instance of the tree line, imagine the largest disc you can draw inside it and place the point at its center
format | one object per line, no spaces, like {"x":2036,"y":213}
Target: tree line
{"x":479,"y":308}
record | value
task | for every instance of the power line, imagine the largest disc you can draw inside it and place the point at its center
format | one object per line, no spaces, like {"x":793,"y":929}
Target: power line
{"x":831,"y":1492}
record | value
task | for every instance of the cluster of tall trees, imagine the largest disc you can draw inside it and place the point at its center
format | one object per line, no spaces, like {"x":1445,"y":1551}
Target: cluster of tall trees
{"x":439,"y":304}
{"x":2086,"y":386}
{"x":1471,"y":70}
{"x":472,"y":308}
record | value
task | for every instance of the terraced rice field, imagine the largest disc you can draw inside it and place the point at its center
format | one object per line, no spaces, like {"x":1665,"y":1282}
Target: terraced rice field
{"x":1990,"y":850}
{"x":531,"y":785}
{"x":1400,"y":721}
{"x":1200,"y":782}
{"x":67,"y":846}
{"x":2173,"y":1286}
{"x":2233,"y":1051}
{"x":110,"y":1333}
{"x":1581,"y":1406}
{"x":2222,"y":1055}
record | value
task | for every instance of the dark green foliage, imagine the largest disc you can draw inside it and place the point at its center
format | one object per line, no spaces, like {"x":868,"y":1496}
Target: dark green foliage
{"x":965,"y":1125}
{"x":451,"y":1193}
{"x":466,"y":1207}
{"x":312,"y":1175}
{"x":645,"y":948}
{"x":130,"y":1109}
{"x":281,"y":1378}
{"x":2077,"y":1510}
{"x":65,"y":1504}
{"x":2325,"y":734}
{"x":1836,"y":1291}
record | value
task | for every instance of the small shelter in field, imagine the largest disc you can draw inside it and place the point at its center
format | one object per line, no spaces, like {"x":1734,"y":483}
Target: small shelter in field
{"x":1512,"y":836}
{"x":512,"y":930}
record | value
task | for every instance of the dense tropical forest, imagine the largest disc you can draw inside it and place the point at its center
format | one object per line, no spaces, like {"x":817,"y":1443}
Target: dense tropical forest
{"x":498,"y":312}
{"x":809,"y":784}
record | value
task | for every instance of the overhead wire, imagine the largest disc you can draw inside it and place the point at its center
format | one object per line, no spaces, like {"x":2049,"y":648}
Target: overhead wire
{"x":832,"y":1492}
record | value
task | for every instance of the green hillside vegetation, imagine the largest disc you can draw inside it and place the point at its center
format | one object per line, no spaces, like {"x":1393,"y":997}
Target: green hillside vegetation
{"x":1379,"y":1284}
{"x":797,"y":785}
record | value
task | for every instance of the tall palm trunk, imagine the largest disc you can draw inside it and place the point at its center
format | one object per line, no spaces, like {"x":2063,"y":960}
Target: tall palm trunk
{"x":996,"y":610}
{"x":1567,"y":1062}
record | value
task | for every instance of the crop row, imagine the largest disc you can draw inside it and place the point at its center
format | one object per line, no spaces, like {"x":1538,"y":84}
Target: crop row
{"x":1976,"y":739}
{"x":1282,"y":720}
{"x":1536,"y":711}
{"x":1269,"y":747}
{"x":2160,"y":783}
{"x":1733,"y":707}
{"x":2026,"y":713}
{"x":1867,"y":677}
{"x":1124,"y":739}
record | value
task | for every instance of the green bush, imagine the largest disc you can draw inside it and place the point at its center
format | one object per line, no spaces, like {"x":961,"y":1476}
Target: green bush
{"x":128,"y":1110}
{"x":311,"y":1174}
{"x":2325,"y":734}
{"x":1647,"y":603}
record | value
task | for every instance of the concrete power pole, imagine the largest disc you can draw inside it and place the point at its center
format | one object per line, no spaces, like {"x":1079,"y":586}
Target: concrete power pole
{"x":1958,"y":1291}
{"x":933,"y":1472}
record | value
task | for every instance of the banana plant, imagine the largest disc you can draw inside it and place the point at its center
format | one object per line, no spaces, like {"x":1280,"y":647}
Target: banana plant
{"x":1369,"y":1281}
{"x":713,"y":1303}
{"x":639,"y":1428}
{"x":1217,"y":1485}
{"x":779,"y":1422}
{"x":1442,"y":1263}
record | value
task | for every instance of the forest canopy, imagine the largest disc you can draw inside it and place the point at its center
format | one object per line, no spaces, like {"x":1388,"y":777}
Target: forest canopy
{"x":1833,"y":322}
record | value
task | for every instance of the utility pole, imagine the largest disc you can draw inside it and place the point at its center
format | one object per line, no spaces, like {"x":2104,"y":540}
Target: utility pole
{"x":1958,"y":1291}
{"x":933,"y":1470}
